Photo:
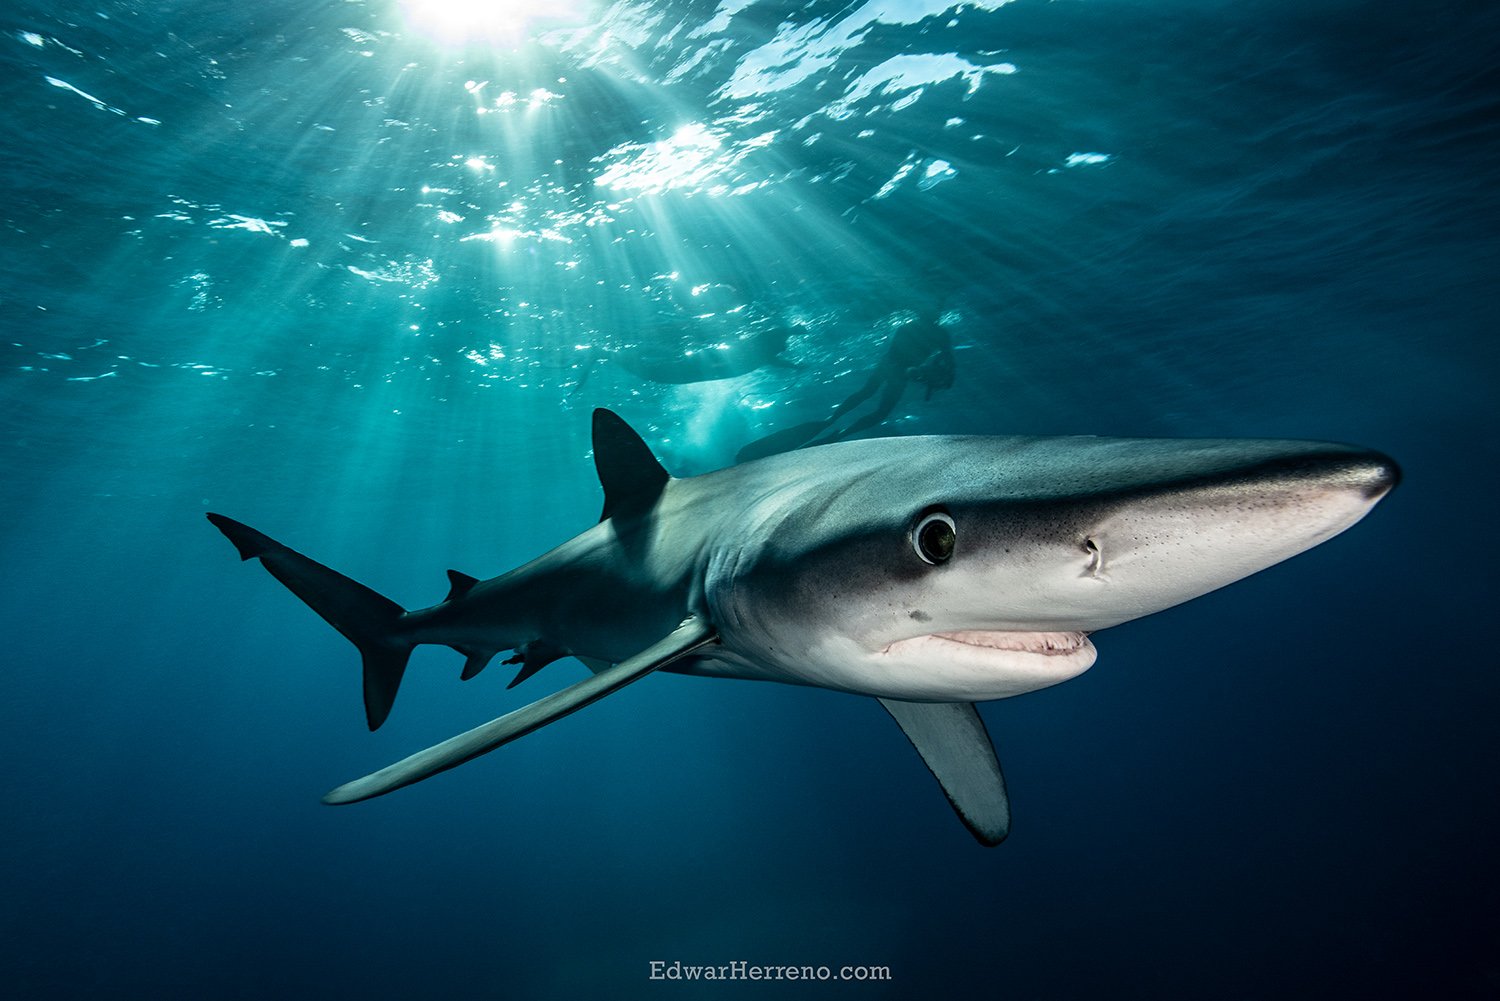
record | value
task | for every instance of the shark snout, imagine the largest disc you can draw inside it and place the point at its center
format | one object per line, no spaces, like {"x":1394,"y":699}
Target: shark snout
{"x":1314,"y":469}
{"x":1177,"y":541}
{"x":1379,"y":474}
{"x":1368,"y":474}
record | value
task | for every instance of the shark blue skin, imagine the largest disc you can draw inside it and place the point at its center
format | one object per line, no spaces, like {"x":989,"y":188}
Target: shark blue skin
{"x":928,"y":572}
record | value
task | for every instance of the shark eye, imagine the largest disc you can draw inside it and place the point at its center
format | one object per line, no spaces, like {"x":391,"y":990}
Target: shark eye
{"x":933,"y":537}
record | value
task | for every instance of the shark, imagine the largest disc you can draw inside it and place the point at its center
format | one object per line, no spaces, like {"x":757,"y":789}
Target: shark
{"x":931,"y":573}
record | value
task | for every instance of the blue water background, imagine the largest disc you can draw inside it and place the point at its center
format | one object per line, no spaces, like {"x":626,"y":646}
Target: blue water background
{"x":305,"y":265}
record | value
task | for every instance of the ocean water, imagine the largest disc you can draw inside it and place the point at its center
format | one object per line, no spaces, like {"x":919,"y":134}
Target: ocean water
{"x":357,"y":273}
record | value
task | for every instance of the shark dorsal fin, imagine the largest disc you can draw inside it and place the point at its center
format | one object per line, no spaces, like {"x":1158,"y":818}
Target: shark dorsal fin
{"x":631,"y":476}
{"x":459,"y":584}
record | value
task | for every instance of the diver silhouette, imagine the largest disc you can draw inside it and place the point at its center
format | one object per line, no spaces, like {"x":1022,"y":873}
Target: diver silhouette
{"x":666,"y":360}
{"x":918,"y":351}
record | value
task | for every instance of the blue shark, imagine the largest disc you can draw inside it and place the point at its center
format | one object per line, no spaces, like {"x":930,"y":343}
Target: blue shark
{"x":928,"y":572}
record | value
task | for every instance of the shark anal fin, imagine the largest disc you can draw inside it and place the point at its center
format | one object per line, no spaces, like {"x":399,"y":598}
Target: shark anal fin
{"x":474,"y":660}
{"x":631,"y":476}
{"x":953,"y":743}
{"x":694,"y":632}
{"x":459,"y":584}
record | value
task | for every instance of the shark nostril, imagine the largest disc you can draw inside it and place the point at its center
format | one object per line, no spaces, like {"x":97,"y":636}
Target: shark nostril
{"x":1096,"y":558}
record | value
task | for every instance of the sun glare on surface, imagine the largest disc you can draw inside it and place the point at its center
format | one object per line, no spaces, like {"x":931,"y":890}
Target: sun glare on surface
{"x":503,"y":22}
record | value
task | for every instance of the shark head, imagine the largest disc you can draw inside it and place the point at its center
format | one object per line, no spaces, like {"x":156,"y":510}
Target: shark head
{"x":967,"y":569}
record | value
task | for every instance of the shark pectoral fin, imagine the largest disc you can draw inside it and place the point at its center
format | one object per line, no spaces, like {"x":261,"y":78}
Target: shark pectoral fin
{"x":952,"y":740}
{"x":694,"y":632}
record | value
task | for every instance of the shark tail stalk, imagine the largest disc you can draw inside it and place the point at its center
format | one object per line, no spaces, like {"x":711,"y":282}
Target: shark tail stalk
{"x":368,"y":620}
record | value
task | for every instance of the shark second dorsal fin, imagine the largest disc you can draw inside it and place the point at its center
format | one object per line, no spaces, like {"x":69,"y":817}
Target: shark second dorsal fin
{"x":459,"y":584}
{"x":956,"y":748}
{"x":631,"y":476}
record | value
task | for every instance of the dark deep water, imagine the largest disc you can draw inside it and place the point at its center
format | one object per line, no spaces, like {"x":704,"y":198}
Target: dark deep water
{"x":309,"y":265}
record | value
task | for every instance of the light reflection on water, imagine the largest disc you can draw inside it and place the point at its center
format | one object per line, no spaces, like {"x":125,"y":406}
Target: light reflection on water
{"x":353,"y":196}
{"x":566,"y":221}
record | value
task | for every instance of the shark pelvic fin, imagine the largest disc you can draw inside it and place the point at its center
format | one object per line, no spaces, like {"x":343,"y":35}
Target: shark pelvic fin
{"x":631,"y":476}
{"x":953,"y":743}
{"x":366,"y":619}
{"x":459,"y":584}
{"x":533,"y":657}
{"x":694,"y":632}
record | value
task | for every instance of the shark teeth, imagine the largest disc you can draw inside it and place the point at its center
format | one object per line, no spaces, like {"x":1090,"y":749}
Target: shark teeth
{"x":1043,"y":643}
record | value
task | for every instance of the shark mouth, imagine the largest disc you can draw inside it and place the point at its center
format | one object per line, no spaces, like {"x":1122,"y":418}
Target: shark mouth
{"x":1047,"y":644}
{"x":979,"y":665}
{"x":1044,"y":644}
{"x":999,"y":662}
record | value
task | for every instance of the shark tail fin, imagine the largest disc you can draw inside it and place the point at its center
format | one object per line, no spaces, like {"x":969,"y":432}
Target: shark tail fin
{"x":367,"y":619}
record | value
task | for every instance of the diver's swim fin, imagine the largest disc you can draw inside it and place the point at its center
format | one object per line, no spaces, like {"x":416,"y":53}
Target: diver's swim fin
{"x":786,"y":440}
